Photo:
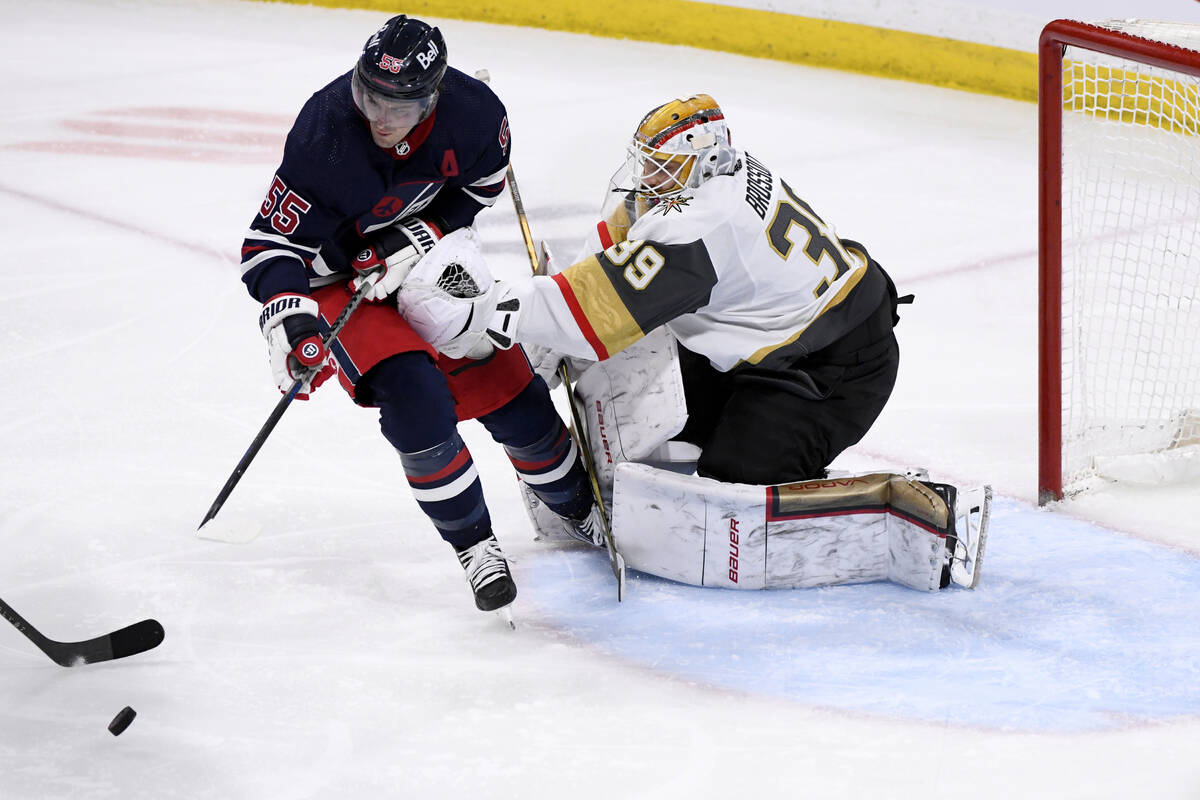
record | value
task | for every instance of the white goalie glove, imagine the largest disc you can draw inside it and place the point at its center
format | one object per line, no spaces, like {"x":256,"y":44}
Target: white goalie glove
{"x":452,"y":301}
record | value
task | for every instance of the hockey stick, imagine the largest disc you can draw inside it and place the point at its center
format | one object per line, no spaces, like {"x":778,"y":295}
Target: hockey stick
{"x":285,"y":401}
{"x":129,"y":641}
{"x":615,"y":559}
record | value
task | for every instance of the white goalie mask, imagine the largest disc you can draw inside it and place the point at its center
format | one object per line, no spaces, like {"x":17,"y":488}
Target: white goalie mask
{"x":678,"y":145}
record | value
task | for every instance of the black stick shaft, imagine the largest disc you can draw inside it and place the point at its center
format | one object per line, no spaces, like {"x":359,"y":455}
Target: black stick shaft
{"x":281,"y":407}
{"x":130,"y":640}
{"x":21,"y":624}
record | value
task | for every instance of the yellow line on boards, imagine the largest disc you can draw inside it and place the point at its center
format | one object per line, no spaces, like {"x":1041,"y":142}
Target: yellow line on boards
{"x":762,"y":34}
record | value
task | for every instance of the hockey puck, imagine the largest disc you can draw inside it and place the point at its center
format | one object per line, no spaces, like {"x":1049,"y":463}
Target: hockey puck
{"x":121,"y":721}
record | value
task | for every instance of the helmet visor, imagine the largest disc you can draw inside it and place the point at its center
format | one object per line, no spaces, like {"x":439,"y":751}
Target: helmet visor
{"x":393,"y":112}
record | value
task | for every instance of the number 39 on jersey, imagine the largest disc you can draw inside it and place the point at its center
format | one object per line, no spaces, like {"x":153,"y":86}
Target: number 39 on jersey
{"x":641,"y":261}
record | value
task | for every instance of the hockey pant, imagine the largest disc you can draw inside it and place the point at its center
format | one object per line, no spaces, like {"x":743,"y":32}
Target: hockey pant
{"x":764,"y":426}
{"x":376,"y":332}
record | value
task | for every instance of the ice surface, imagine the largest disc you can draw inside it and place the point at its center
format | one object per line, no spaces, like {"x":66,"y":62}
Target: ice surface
{"x":338,"y":654}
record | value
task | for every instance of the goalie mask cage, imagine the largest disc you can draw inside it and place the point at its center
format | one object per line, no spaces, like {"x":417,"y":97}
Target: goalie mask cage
{"x":1119,"y":245}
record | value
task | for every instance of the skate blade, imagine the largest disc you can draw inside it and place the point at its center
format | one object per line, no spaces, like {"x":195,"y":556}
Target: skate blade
{"x":618,"y":565}
{"x":977,"y":505}
{"x":505,"y":614}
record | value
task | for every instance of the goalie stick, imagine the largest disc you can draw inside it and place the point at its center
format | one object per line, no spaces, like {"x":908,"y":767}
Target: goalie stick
{"x":614,"y":558}
{"x":128,"y":641}
{"x":285,"y":401}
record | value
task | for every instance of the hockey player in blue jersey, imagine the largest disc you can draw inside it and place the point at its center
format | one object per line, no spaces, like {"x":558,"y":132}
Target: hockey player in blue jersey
{"x":379,"y":165}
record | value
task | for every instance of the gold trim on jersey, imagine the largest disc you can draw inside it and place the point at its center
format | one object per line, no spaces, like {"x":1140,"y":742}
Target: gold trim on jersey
{"x":842,"y":293}
{"x":614,"y":326}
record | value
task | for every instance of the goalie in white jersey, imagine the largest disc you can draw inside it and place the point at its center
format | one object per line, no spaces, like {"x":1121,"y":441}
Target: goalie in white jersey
{"x":785,"y":330}
{"x":787,"y":357}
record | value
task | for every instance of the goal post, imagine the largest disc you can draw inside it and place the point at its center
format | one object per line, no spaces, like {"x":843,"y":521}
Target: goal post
{"x":1119,"y":247}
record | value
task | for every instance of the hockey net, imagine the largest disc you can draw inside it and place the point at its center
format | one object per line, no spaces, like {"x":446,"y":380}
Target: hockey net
{"x":1119,"y":325}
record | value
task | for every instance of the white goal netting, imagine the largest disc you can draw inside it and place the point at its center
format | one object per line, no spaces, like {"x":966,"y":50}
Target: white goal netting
{"x":1130,"y":259}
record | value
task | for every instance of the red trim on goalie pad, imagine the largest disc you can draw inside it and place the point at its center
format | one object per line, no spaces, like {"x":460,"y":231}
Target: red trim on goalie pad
{"x":377,"y":331}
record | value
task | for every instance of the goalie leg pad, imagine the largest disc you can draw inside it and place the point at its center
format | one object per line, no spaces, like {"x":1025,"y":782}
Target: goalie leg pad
{"x":631,"y":403}
{"x":814,"y":533}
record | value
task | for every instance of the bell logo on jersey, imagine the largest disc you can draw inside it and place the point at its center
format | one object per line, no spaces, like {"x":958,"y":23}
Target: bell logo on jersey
{"x":429,"y":56}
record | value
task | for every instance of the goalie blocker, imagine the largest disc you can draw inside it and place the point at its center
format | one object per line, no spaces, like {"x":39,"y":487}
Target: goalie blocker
{"x":669,"y":522}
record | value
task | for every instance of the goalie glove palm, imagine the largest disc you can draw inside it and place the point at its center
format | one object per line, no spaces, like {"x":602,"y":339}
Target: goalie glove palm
{"x":393,"y":252}
{"x":462,"y":327}
{"x":452,"y":301}
{"x":289,"y":324}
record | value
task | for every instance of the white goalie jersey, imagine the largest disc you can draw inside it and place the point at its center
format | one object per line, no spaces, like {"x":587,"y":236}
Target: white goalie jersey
{"x":740,"y":269}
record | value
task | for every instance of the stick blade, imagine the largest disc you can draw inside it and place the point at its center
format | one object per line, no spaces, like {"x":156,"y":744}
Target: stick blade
{"x":128,"y":641}
{"x":618,"y":567}
{"x":232,"y":532}
{"x":137,"y":638}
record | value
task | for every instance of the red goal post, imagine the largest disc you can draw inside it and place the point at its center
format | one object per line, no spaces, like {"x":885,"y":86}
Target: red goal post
{"x":1119,"y":364}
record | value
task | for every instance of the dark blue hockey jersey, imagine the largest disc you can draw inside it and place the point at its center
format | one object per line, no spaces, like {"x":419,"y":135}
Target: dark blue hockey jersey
{"x":335,"y":186}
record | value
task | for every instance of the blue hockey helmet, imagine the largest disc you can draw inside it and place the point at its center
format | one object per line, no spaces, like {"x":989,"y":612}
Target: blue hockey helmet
{"x":400,"y":70}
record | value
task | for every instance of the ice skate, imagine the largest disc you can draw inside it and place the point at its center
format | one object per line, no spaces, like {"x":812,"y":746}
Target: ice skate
{"x":549,"y":526}
{"x":552,"y":527}
{"x":590,"y":529}
{"x":489,"y":577}
{"x":972,"y":510}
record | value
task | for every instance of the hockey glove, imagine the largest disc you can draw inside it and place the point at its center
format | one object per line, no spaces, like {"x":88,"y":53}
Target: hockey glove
{"x":545,"y":362}
{"x":289,"y":324}
{"x":393,"y":252}
{"x":453,"y":302}
{"x":464,"y":327}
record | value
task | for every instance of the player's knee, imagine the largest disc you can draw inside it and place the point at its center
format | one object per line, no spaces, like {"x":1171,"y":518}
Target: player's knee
{"x":416,"y":409}
{"x":526,"y":418}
